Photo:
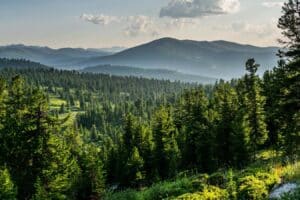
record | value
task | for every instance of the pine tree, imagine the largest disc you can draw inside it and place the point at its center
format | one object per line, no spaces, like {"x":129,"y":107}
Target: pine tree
{"x":59,"y":176}
{"x":288,"y":78}
{"x":24,"y":135}
{"x":289,"y":23}
{"x":91,"y":183}
{"x":134,"y":168}
{"x":166,"y":151}
{"x":289,"y":106}
{"x":194,"y":121}
{"x":255,"y":106}
{"x":7,"y":187}
{"x":225,"y":101}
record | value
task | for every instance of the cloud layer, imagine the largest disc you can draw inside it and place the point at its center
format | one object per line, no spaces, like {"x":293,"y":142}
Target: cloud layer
{"x":100,"y":19}
{"x":199,"y":8}
{"x":138,"y":25}
{"x":273,"y":4}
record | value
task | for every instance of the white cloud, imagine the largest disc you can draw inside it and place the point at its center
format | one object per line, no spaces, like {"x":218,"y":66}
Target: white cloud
{"x":100,"y":19}
{"x":260,"y":30}
{"x":140,"y":25}
{"x":199,"y":8}
{"x":272,"y":4}
{"x":132,"y":25}
{"x":178,"y":24}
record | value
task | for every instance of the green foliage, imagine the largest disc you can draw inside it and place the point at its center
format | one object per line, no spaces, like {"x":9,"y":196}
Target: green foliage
{"x":58,"y":178}
{"x":251,"y":188}
{"x":168,"y":127}
{"x":166,"y":149}
{"x":255,"y":107}
{"x":7,"y":188}
{"x":269,"y":179}
{"x":91,"y":181}
{"x":217,"y":179}
{"x":291,"y":172}
{"x":208,"y":193}
{"x":289,"y":24}
{"x":231,"y":185}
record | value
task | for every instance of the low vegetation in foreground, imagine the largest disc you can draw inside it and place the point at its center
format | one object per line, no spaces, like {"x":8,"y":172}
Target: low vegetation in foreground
{"x":253,"y":182}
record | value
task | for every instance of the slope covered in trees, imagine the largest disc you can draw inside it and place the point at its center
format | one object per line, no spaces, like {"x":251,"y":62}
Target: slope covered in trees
{"x":72,"y":135}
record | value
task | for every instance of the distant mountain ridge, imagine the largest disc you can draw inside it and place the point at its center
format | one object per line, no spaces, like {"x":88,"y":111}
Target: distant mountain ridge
{"x":149,"y":73}
{"x":64,"y":57}
{"x":19,"y":64}
{"x":220,"y":59}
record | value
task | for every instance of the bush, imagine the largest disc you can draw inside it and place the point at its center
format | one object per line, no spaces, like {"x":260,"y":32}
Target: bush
{"x":168,"y":189}
{"x":217,"y":179}
{"x":270,"y":180}
{"x":163,"y":190}
{"x":251,"y":188}
{"x":7,"y":188}
{"x":125,"y":195}
{"x":291,"y":172}
{"x":209,"y":193}
{"x":198,"y":185}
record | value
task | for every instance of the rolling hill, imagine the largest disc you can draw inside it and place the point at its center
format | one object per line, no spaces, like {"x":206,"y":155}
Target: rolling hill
{"x":63,"y":58}
{"x":220,"y":59}
{"x":19,"y":63}
{"x":149,"y":73}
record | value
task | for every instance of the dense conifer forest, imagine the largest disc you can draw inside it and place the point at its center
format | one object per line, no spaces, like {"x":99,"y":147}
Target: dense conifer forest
{"x":73,"y":135}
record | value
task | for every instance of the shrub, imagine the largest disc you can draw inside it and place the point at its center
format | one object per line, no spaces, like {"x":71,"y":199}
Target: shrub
{"x":217,"y":179}
{"x":231,"y":186}
{"x":125,"y":195}
{"x":168,"y":189}
{"x":7,"y":188}
{"x":251,"y":188}
{"x":209,"y":193}
{"x":270,"y":180}
{"x":291,"y":172}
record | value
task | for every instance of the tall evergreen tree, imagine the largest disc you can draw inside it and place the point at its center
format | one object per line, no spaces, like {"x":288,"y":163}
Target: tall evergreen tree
{"x":7,"y":187}
{"x":288,"y":77}
{"x":166,"y":151}
{"x":255,"y":106}
{"x":225,"y":101}
{"x":289,"y":23}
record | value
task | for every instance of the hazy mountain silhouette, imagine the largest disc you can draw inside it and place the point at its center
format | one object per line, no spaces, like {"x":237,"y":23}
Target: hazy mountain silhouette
{"x":220,"y":59}
{"x":65,"y":57}
{"x":149,"y":73}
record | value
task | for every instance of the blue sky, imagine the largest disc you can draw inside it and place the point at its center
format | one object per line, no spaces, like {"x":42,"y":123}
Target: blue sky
{"x":106,"y":23}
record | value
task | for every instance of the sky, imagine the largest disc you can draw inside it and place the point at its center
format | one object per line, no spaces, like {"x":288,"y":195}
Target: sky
{"x":126,"y":23}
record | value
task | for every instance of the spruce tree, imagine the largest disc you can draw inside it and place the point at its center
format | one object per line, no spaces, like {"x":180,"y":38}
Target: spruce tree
{"x":289,"y":23}
{"x":7,"y":187}
{"x":255,"y":106}
{"x":166,"y":151}
{"x":288,"y":77}
{"x":225,"y":101}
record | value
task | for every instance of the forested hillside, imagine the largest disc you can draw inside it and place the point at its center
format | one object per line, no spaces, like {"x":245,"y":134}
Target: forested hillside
{"x":19,"y":63}
{"x":162,"y":74}
{"x":68,"y":135}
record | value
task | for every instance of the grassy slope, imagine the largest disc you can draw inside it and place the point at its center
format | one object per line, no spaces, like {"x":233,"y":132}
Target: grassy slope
{"x":225,"y":184}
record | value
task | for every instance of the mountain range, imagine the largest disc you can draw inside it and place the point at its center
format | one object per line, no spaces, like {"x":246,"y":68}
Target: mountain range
{"x":61,"y":58}
{"x":218,"y":59}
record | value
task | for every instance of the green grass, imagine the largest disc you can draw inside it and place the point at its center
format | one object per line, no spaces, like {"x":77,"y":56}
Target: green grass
{"x":268,"y":171}
{"x":162,"y":190}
